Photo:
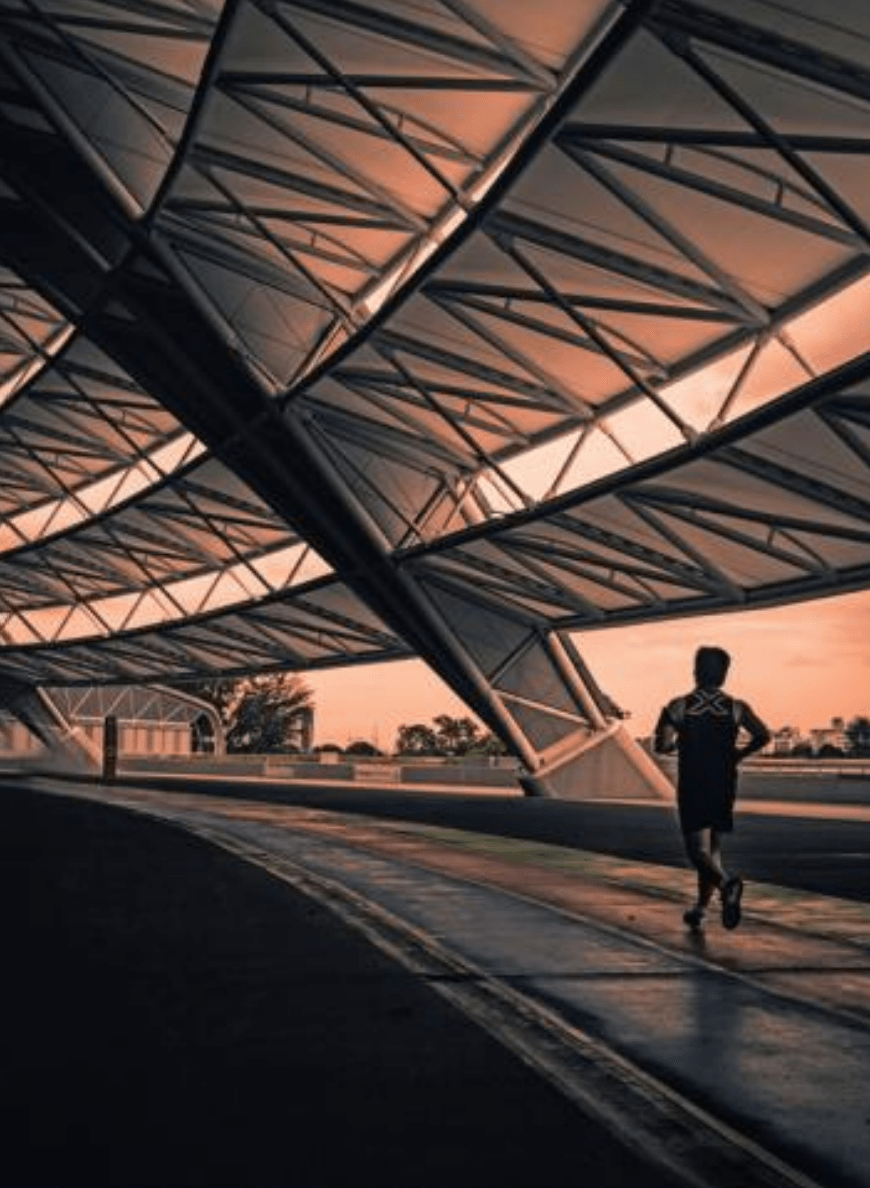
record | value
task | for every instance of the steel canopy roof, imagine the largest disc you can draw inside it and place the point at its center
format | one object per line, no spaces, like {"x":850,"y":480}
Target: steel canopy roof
{"x":565,"y":317}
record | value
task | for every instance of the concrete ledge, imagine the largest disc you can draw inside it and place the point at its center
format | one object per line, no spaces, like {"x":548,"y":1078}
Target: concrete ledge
{"x":497,"y":774}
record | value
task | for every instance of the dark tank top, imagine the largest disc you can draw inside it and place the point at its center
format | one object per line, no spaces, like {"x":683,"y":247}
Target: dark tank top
{"x":707,"y":724}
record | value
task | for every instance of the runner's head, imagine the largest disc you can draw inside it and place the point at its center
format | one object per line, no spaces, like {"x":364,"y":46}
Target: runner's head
{"x":711,"y":667}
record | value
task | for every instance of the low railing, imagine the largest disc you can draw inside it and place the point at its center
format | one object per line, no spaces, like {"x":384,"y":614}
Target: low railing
{"x":837,"y":767}
{"x":497,"y":771}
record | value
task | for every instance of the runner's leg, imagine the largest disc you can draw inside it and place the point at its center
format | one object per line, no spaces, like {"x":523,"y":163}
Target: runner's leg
{"x":716,"y":856}
{"x":699,"y":845}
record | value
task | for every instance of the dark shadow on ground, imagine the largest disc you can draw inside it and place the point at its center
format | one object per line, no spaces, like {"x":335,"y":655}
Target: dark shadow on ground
{"x":172,"y":1017}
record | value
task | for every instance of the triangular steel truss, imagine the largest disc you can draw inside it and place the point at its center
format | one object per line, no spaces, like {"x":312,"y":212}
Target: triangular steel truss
{"x":333,"y":331}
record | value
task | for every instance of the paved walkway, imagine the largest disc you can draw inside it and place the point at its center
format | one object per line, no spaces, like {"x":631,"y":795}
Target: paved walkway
{"x":727,"y":1059}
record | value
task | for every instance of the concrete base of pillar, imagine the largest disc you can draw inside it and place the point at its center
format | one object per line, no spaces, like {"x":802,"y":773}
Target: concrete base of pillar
{"x":67,"y":750}
{"x":70,"y":754}
{"x":610,"y":765}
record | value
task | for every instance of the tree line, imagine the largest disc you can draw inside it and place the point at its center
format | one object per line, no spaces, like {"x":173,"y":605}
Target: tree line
{"x":271,"y":713}
{"x":444,"y":736}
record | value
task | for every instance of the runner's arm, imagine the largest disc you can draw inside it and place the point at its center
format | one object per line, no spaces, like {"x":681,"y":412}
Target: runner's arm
{"x":665,"y":737}
{"x":759,"y":735}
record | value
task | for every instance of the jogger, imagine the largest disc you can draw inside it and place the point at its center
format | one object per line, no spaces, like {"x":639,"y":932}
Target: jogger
{"x":704,"y":727}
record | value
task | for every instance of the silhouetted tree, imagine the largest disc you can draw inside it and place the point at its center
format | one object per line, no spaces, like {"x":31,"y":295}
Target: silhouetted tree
{"x":260,"y":714}
{"x":416,"y":739}
{"x":858,"y":734}
{"x":361,"y":747}
{"x":447,"y":736}
{"x":489,"y":744}
{"x":456,"y":736}
{"x":221,"y":692}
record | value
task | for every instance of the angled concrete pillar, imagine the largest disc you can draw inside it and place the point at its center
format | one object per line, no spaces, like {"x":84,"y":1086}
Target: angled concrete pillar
{"x":67,"y":749}
{"x":542,"y":700}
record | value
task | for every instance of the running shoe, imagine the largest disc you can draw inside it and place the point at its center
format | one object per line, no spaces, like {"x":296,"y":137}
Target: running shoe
{"x":732,"y":893}
{"x":694,"y":917}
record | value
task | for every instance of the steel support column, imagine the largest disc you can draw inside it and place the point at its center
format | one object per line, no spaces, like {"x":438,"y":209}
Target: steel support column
{"x":67,"y":749}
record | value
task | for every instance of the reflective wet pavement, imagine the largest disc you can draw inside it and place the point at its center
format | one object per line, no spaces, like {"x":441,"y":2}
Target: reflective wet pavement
{"x":760,"y":1036}
{"x":767,"y":1028}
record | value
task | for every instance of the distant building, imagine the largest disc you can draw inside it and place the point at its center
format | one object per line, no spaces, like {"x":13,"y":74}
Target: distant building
{"x":790,"y":739}
{"x":829,"y":736}
{"x":784,"y":741}
{"x":151,"y":721}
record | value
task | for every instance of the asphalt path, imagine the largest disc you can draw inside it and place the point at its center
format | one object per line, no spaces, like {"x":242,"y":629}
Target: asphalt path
{"x":171,"y":1016}
{"x":800,"y":845}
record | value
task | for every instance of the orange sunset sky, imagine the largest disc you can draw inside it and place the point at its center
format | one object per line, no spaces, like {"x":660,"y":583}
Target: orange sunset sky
{"x":798,"y":665}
